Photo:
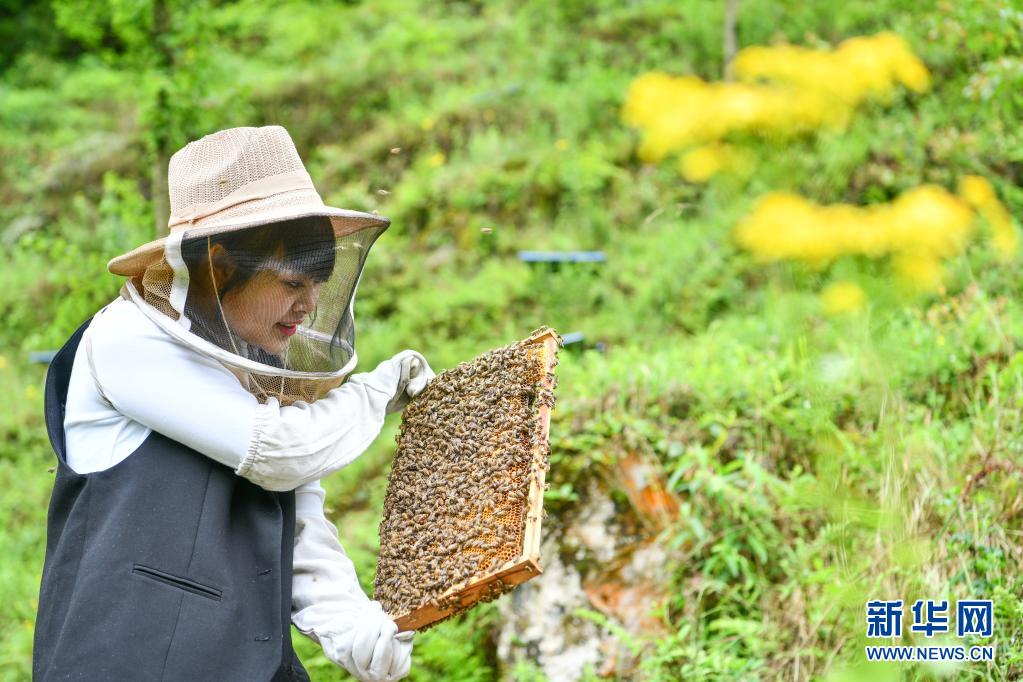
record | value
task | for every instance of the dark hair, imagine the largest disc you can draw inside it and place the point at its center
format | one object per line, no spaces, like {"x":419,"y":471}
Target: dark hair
{"x":305,"y":245}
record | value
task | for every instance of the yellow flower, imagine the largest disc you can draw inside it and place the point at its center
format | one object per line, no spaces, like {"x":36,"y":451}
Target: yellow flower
{"x":561,"y":145}
{"x":700,"y":164}
{"x":917,"y":231}
{"x":436,"y":160}
{"x":922,"y":271}
{"x":930,"y":219}
{"x":843,"y":297}
{"x":1005,"y":237}
{"x":976,"y":190}
{"x":978,"y":193}
{"x":785,"y":226}
{"x":31,"y":392}
{"x":3,"y":362}
{"x":861,"y":68}
{"x":428,"y":123}
{"x":781,"y":91}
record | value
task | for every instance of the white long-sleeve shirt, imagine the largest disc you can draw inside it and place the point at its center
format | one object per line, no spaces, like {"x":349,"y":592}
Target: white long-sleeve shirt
{"x":130,"y":378}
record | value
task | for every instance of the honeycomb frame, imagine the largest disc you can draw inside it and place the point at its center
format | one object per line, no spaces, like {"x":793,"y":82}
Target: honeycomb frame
{"x":525,"y":562}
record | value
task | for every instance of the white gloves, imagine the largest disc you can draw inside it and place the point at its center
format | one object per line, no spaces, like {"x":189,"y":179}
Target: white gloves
{"x":329,"y":606}
{"x":327,"y":603}
{"x":410,"y":373}
{"x":371,"y":649}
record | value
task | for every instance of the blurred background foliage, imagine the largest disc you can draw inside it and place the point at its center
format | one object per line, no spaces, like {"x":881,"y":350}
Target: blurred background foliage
{"x":830,"y":435}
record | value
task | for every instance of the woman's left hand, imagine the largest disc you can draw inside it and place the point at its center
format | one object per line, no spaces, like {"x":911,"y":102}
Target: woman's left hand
{"x":372,"y":649}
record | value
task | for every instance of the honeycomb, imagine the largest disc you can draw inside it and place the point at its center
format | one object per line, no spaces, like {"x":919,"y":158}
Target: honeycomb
{"x":458,"y":497}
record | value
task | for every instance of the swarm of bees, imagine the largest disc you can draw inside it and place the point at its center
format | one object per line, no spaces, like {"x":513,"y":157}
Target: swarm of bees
{"x":469,"y":447}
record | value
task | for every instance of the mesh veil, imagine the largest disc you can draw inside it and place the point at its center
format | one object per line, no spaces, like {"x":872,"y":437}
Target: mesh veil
{"x":273,"y":303}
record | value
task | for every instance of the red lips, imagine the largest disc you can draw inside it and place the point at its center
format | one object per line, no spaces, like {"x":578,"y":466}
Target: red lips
{"x":287,"y":329}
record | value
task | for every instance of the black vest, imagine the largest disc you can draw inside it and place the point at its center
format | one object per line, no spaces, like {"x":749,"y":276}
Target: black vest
{"x":167,"y":566}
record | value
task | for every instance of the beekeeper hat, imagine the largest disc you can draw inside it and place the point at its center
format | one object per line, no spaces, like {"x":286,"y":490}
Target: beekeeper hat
{"x":235,"y":179}
{"x":243,"y":197}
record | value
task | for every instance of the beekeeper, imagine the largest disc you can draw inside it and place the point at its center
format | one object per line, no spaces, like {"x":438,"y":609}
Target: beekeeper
{"x":193,"y":419}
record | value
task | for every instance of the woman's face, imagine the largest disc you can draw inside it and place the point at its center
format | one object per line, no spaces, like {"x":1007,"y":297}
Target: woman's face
{"x":267,"y":309}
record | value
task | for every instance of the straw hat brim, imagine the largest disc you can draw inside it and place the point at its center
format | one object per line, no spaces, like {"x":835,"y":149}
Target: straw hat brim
{"x":344,"y":221}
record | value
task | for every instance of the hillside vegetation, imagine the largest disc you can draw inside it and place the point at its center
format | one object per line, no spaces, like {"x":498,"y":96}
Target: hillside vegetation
{"x":817,"y":452}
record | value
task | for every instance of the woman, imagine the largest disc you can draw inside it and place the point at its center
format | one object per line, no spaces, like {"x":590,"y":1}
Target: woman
{"x":193,"y":419}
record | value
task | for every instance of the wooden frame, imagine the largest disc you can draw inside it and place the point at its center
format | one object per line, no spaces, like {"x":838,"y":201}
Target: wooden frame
{"x":527,"y":564}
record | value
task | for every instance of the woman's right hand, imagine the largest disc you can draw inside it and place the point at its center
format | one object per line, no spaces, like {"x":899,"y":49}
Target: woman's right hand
{"x":411,"y":373}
